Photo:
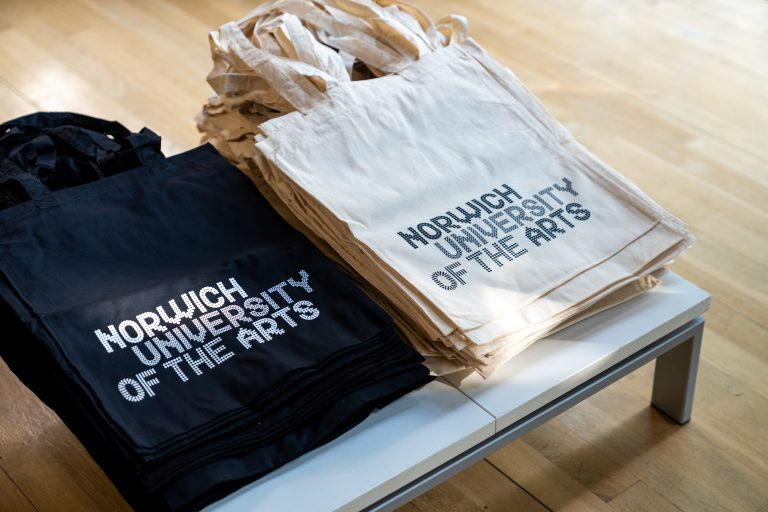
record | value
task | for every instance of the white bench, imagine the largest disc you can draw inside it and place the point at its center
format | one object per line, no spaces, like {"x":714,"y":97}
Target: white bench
{"x":431,"y":434}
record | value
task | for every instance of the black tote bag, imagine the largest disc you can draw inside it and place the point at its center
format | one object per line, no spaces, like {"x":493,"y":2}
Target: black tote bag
{"x":66,"y":258}
{"x":172,"y":304}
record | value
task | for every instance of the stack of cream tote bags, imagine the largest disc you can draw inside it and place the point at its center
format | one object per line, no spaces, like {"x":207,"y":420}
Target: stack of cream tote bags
{"x":409,"y":154}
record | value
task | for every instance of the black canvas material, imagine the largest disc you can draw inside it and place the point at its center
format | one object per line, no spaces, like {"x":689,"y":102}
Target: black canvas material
{"x":186,"y":333}
{"x":53,"y":150}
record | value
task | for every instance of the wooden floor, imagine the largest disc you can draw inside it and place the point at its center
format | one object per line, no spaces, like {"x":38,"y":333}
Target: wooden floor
{"x":672,"y":93}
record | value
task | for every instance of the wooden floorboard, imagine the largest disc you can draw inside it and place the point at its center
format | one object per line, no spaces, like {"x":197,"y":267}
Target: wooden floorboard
{"x":11,"y":496}
{"x":671,"y":92}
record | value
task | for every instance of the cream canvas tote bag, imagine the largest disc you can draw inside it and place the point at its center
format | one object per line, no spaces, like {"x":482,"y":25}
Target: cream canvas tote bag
{"x":471,"y":214}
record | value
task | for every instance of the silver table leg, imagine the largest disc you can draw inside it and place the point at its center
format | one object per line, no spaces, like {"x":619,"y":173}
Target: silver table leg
{"x":674,"y":379}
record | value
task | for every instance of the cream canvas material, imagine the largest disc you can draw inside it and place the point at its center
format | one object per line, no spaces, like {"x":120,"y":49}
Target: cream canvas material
{"x":439,"y":179}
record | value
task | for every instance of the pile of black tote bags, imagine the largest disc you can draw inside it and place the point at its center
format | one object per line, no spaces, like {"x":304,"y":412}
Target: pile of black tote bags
{"x":188,"y":336}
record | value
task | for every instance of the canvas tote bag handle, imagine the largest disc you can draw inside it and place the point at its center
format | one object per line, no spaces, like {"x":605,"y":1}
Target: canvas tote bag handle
{"x":384,"y":43}
{"x":376,"y":35}
{"x":288,"y":77}
{"x":29,"y":182}
{"x":93,"y":139}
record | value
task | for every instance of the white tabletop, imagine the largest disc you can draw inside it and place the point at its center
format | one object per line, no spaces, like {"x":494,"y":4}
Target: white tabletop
{"x":554,"y":365}
{"x":432,"y":425}
{"x":393,"y":446}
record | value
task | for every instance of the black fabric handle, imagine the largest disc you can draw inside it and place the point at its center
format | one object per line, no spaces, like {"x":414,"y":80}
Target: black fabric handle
{"x":49,"y":120}
{"x":48,"y":151}
{"x":31,"y":185}
{"x":146,"y":146}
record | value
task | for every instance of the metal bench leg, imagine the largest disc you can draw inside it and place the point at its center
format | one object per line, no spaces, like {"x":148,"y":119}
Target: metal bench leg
{"x":674,"y":378}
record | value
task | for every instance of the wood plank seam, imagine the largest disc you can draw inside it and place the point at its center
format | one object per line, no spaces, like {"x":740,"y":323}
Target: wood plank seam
{"x":18,"y":488}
